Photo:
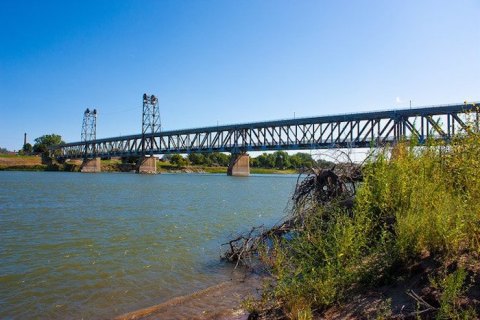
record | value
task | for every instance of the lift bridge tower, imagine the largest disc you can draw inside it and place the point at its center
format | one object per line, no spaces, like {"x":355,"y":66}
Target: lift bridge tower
{"x":151,"y":125}
{"x":89,"y":135}
{"x":89,"y":126}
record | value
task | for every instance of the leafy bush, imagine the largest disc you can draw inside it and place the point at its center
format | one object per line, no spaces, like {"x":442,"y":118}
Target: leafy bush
{"x":452,"y":288}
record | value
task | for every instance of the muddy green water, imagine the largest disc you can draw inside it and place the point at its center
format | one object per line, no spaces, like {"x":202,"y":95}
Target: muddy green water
{"x":94,"y":246}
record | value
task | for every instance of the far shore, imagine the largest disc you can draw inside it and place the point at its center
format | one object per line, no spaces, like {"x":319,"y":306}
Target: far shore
{"x":35,"y":163}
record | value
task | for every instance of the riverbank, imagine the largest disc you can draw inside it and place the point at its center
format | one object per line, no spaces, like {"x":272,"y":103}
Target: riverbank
{"x":21,"y":163}
{"x":34,"y":163}
{"x":407,"y":249}
{"x":221,"y":302}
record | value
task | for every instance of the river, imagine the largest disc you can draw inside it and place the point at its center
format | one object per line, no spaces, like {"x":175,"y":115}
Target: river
{"x":94,"y":246}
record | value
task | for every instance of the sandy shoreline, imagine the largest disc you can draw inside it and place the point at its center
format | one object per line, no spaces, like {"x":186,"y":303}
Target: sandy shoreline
{"x":221,"y":301}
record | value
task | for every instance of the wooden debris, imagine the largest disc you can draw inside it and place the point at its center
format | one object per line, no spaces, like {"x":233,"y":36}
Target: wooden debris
{"x":315,"y":187}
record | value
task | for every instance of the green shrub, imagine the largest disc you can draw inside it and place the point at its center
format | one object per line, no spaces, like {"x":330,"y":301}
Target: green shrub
{"x":452,"y":288}
{"x":413,"y":201}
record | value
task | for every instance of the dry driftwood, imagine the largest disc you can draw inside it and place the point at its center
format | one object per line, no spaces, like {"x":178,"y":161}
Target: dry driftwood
{"x":314,"y":187}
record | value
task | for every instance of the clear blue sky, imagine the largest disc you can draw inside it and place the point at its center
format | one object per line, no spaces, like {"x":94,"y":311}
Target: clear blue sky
{"x":227,"y":61}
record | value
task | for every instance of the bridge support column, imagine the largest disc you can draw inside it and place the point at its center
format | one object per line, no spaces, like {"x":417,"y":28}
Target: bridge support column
{"x":91,"y":165}
{"x":147,"y":165}
{"x":239,"y":165}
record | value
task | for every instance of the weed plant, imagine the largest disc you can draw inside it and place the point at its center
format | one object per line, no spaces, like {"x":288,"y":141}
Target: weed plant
{"x":414,"y":200}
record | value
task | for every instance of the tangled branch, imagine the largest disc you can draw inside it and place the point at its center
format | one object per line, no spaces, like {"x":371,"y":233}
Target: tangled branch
{"x":315,"y":187}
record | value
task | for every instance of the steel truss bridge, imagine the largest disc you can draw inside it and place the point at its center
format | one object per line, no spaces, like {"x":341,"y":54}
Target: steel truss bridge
{"x":360,"y":130}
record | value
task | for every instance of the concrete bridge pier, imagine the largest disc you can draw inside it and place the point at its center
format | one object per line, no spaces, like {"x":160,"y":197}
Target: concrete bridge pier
{"x":91,"y":165}
{"x":147,"y":165}
{"x":239,"y":165}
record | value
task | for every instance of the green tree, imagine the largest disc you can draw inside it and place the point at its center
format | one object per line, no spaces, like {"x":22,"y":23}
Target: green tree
{"x":301,"y":160}
{"x":325,"y":164}
{"x":266,"y":160}
{"x":218,"y":159}
{"x":254,"y":162}
{"x":42,"y":143}
{"x":27,"y":148}
{"x":166,"y":157}
{"x":282,"y":160}
{"x":178,"y":160}
{"x":207,"y":161}
{"x":131,"y":159}
{"x":196,"y":158}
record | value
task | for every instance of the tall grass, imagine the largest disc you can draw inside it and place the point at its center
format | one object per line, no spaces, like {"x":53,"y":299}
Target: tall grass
{"x":413,"y":201}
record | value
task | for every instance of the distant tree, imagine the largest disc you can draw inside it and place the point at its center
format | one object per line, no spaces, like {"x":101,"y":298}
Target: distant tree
{"x":166,"y":157}
{"x":218,"y":159}
{"x":301,"y":160}
{"x":210,"y":159}
{"x":196,"y":158}
{"x":261,"y":160}
{"x":295,"y":161}
{"x":282,"y":160}
{"x":207,"y":161}
{"x":325,"y":164}
{"x":130,"y":159}
{"x":178,"y":160}
{"x":42,"y":143}
{"x":254,"y":162}
{"x":3,"y":150}
{"x":27,"y":148}
{"x":266,"y":160}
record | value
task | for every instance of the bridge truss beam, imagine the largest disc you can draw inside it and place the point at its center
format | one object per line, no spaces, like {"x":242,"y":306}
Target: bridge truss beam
{"x":362,"y":130}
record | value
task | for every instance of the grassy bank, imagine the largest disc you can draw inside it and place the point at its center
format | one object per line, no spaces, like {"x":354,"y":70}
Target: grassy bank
{"x":40,"y":167}
{"x":168,"y":167}
{"x":272,"y":171}
{"x":415,"y":226}
{"x":34,"y":163}
{"x":21,"y":163}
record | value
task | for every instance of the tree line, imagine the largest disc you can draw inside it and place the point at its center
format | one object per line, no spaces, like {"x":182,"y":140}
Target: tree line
{"x":215,"y":159}
{"x":278,"y":160}
{"x":42,"y":144}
